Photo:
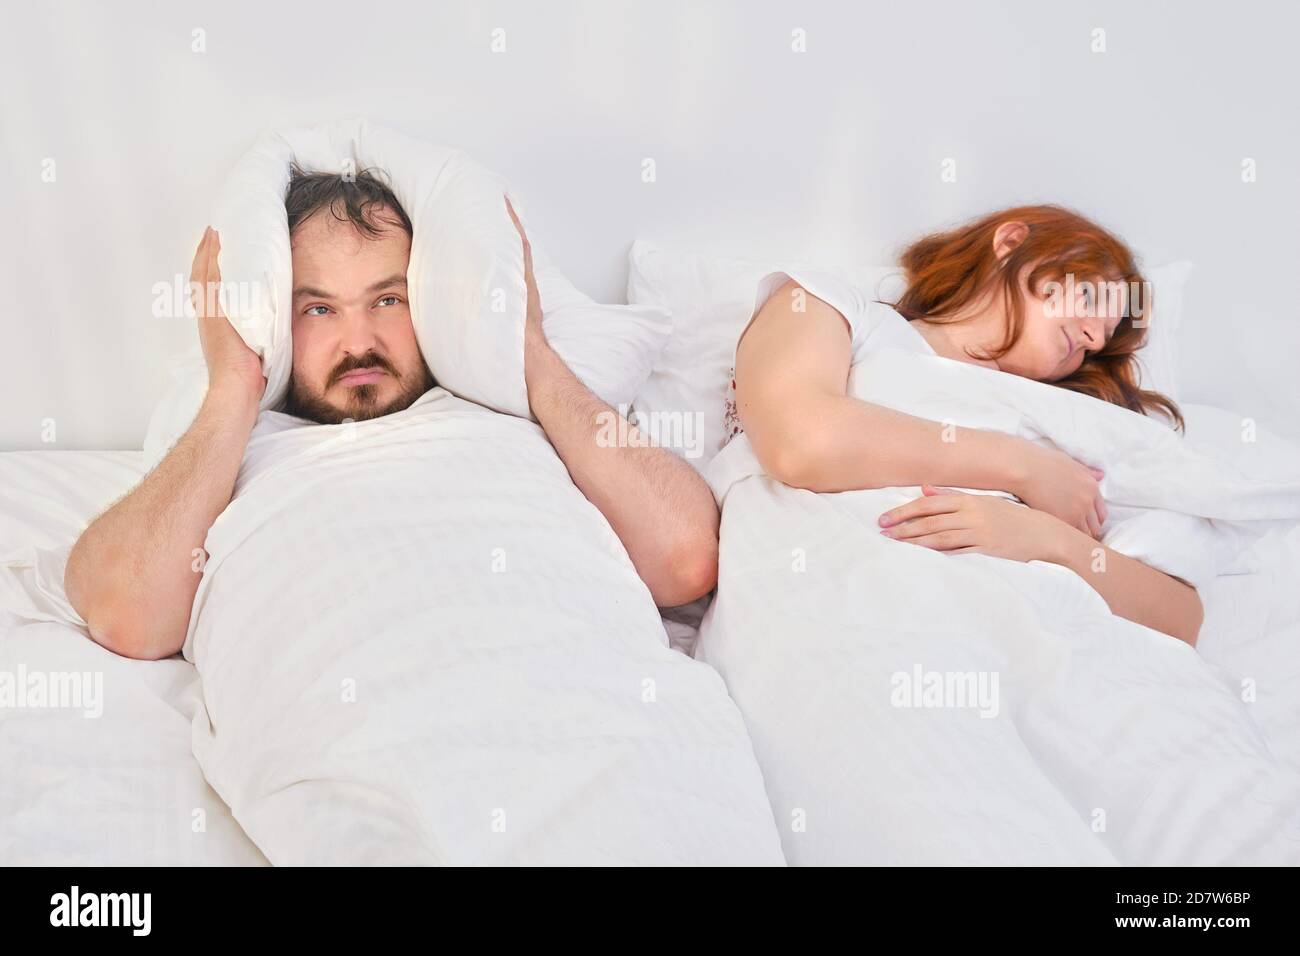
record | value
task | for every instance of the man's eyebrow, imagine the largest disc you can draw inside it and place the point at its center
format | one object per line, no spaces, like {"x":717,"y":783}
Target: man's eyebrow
{"x":305,"y":291}
{"x":395,"y":279}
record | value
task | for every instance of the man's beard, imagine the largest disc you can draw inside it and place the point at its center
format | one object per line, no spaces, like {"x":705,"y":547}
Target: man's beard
{"x":363,"y":400}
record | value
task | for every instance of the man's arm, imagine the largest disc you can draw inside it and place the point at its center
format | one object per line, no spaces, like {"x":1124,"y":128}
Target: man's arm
{"x":657,"y":504}
{"x":133,"y":573}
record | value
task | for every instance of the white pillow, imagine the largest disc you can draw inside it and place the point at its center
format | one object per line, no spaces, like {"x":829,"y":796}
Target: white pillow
{"x":466,"y":274}
{"x":1159,"y":356}
{"x":175,"y":411}
{"x":1251,"y":447}
{"x":711,"y":299}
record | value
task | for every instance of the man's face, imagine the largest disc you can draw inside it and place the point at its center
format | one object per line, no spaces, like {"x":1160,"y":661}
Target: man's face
{"x":354,"y":350}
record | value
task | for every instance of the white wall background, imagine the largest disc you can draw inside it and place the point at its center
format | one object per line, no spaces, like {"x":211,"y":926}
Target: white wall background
{"x":834,"y":153}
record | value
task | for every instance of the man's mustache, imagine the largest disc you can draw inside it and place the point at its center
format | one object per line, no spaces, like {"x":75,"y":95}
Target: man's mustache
{"x":369,"y":360}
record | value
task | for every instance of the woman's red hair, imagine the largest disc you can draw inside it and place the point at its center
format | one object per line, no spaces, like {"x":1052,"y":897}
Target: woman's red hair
{"x":947,"y":271}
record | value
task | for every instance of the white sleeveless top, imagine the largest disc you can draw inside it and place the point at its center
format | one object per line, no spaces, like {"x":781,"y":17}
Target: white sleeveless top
{"x":871,"y":325}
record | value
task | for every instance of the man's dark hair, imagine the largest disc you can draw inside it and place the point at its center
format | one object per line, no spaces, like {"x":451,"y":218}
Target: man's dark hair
{"x":357,"y":200}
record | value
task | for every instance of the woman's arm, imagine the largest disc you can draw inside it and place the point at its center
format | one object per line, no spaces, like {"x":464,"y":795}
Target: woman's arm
{"x":1133,"y":590}
{"x":947,"y":520}
{"x":792,"y":371}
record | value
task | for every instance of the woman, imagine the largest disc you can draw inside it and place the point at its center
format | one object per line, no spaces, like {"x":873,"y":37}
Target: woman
{"x":1017,"y":291}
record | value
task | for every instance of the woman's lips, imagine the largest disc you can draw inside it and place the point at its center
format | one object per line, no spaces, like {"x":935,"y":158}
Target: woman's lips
{"x":362,"y":376}
{"x":1069,"y":345}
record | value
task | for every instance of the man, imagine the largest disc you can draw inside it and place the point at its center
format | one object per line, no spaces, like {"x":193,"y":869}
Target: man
{"x":132,"y":574}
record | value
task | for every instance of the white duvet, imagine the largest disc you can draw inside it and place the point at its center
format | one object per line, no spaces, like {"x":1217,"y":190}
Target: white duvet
{"x":913,"y":707}
{"x":419,"y":643}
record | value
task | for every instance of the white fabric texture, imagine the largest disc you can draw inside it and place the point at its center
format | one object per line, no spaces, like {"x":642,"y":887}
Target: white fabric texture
{"x":115,"y":788}
{"x":419,"y":643}
{"x":120,"y":788}
{"x":1106,"y":742}
{"x":712,"y":299}
{"x":465,"y":279}
{"x":50,"y":497}
{"x":872,"y":324}
{"x":137,"y":763}
{"x":123,"y":788}
{"x":1158,"y":358}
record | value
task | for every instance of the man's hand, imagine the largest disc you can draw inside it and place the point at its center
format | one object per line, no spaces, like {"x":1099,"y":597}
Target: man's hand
{"x":133,"y":574}
{"x":657,"y":504}
{"x":233,"y":368}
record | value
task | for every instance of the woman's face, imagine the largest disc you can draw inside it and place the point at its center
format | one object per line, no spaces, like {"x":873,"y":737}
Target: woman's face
{"x":1064,"y":321}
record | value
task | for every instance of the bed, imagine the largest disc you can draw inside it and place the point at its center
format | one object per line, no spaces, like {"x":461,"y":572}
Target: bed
{"x":112,"y":777}
{"x":125,"y":788}
{"x":911,"y":707}
{"x":1115,"y":744}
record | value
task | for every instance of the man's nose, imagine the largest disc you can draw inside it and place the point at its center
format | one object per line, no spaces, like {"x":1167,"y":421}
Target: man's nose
{"x":356,"y":332}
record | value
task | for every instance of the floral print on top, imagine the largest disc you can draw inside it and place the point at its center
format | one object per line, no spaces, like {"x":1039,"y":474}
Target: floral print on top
{"x":731,"y":426}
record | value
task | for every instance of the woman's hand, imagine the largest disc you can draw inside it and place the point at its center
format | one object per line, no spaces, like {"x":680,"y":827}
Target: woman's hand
{"x":232,"y":366}
{"x":960,"y":523}
{"x":1051,"y":481}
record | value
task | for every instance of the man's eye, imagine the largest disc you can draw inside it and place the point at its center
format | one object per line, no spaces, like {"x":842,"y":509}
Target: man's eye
{"x":316,"y":310}
{"x":388,"y":300}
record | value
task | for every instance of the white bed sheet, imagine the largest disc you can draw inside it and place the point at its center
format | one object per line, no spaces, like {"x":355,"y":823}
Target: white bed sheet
{"x":122,"y":788}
